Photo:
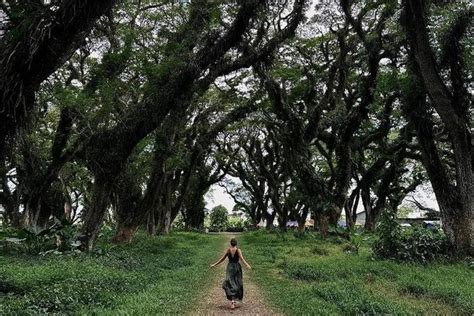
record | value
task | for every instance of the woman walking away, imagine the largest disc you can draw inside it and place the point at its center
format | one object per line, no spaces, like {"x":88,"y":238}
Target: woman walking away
{"x":233,"y":284}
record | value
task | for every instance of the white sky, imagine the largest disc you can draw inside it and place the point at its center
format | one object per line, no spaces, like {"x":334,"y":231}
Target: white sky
{"x":218,"y":196}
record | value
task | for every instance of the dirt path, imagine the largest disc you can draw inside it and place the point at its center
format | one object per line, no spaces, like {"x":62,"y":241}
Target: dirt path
{"x":215,"y":302}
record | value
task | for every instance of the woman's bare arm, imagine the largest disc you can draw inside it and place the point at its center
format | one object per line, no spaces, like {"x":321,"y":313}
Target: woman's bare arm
{"x":220,"y":260}
{"x":243,"y":260}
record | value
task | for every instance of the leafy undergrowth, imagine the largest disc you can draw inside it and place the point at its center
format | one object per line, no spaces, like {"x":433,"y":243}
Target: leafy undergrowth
{"x":306,"y":275}
{"x":150,"y":276}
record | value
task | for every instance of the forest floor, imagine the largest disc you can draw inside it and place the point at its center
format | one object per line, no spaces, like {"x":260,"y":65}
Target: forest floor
{"x":215,"y":302}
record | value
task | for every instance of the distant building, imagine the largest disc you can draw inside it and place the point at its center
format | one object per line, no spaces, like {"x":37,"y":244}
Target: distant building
{"x":405,"y":222}
{"x":360,"y":220}
{"x":263,"y":223}
{"x":412,"y":218}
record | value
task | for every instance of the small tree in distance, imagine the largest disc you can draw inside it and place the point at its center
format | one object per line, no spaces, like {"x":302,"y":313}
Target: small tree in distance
{"x":218,"y":218}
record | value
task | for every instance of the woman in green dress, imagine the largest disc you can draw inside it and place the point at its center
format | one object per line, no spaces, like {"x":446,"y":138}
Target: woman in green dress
{"x":233,"y":283}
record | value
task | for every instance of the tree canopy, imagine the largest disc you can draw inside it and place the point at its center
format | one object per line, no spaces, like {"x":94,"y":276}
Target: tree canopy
{"x":129,"y":112}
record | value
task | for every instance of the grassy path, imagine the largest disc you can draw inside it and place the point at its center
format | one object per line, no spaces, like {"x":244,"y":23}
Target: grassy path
{"x":215,"y":302}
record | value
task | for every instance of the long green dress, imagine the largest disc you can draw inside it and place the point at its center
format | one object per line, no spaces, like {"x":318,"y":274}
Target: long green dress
{"x":233,"y":284}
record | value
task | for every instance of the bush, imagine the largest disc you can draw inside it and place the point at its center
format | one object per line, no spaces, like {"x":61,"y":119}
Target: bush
{"x":416,"y":244}
{"x":354,"y":243}
{"x":248,"y":225}
{"x":59,"y":238}
{"x":235,"y":225}
{"x":389,"y":236}
{"x":219,"y":219}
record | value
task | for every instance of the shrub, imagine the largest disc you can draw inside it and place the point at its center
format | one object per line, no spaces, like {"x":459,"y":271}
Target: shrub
{"x":248,"y":225}
{"x":219,"y":219}
{"x":59,"y":238}
{"x":416,"y":244}
{"x":235,"y":225}
{"x":354,"y":243}
{"x":389,"y":235}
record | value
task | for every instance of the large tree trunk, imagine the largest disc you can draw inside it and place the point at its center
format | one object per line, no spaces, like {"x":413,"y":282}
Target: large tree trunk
{"x":280,"y":211}
{"x":68,"y":210}
{"x":124,"y":234}
{"x":370,"y":221}
{"x":349,"y":219}
{"x":252,"y":212}
{"x":323,"y":224}
{"x":94,"y":216}
{"x":335,"y":214}
{"x":456,"y":201}
{"x":260,"y":211}
{"x":12,"y":214}
{"x":343,"y":171}
{"x":195,"y":204}
{"x":269,"y":218}
{"x":302,"y":219}
{"x":8,"y":199}
{"x":459,"y":230}
{"x":369,"y":224}
{"x":43,"y":206}
{"x":151,"y":223}
{"x":350,"y":208}
{"x":164,"y":225}
{"x":38,"y":214}
{"x":456,"y":214}
{"x":282,"y":219}
{"x":195,"y":218}
{"x":127,"y":195}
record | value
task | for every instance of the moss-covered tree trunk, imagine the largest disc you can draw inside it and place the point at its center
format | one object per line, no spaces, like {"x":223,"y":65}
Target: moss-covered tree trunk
{"x":456,"y":200}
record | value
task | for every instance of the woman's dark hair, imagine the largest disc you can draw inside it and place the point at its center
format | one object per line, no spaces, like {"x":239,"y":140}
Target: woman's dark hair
{"x":233,"y":242}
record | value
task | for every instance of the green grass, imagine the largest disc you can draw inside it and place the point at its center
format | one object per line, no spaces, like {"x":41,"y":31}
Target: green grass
{"x":297,"y":274}
{"x":152,"y":275}
{"x":306,"y":275}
